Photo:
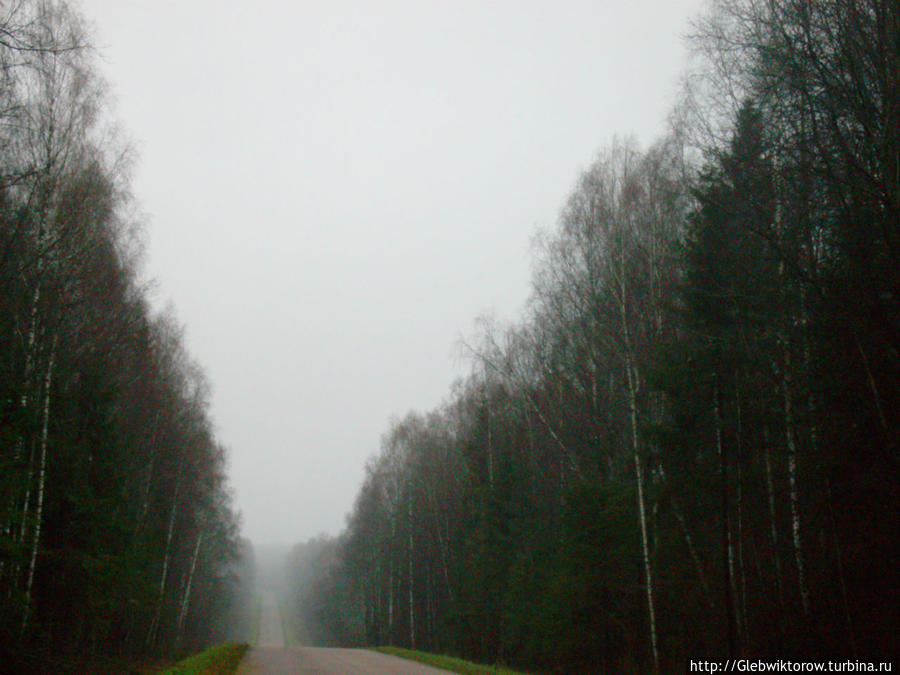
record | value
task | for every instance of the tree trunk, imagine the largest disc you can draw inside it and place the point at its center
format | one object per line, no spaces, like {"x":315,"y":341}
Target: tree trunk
{"x":186,"y":598}
{"x":692,"y":549}
{"x":631,"y":378}
{"x":739,"y":506}
{"x":412,"y":612}
{"x":148,"y":481}
{"x":391,"y":583}
{"x":727,"y":543}
{"x":773,"y":521}
{"x":642,"y":514}
{"x":19,"y":452}
{"x":442,"y":546}
{"x":157,"y":617}
{"x":791,"y":444}
{"x":42,"y":473}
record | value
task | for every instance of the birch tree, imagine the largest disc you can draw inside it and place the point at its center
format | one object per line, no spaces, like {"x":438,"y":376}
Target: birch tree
{"x":82,"y":378}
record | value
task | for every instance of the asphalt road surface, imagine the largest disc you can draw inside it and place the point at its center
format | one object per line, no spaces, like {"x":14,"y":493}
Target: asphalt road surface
{"x":271,"y":657}
{"x":322,"y":661}
{"x":271,"y":633}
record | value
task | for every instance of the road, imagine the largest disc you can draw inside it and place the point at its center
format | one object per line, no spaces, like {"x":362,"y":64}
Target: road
{"x":324,"y":661}
{"x":271,"y":657}
{"x":271,"y":632}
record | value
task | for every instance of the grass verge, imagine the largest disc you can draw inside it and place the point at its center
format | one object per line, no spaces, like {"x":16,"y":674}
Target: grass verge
{"x":450,"y":663}
{"x":219,"y":660}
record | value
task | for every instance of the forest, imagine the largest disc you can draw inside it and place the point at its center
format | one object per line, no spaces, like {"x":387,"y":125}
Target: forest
{"x":117,"y":533}
{"x":687,"y":444}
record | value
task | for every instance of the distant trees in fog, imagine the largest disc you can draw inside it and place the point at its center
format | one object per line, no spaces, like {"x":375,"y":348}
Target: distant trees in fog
{"x":116,"y":528}
{"x":688,"y":443}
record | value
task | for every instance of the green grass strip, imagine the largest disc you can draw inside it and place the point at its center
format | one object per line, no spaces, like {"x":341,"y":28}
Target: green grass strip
{"x":450,"y":663}
{"x":219,"y":660}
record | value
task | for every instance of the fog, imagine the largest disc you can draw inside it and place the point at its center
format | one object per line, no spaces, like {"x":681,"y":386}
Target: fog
{"x":334,"y":191}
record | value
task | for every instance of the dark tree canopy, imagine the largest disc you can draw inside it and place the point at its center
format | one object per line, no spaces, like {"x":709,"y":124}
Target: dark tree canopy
{"x":117,"y":535}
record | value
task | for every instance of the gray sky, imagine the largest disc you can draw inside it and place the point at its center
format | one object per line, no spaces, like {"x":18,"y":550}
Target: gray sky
{"x":335,"y":190}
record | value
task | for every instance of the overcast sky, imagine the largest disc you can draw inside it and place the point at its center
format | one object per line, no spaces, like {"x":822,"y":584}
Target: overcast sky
{"x":336,"y":190}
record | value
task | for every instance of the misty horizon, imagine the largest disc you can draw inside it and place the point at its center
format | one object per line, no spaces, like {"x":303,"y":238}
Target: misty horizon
{"x":330,"y":211}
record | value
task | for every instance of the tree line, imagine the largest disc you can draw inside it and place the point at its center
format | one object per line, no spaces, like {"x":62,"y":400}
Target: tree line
{"x":687,"y":445}
{"x":117,"y":533}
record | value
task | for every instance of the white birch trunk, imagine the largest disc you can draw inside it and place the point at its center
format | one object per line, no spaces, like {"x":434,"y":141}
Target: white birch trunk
{"x":734,"y":626}
{"x":148,"y":481}
{"x":631,"y":377}
{"x":39,"y":504}
{"x":24,"y":403}
{"x":32,"y":335}
{"x":169,"y":531}
{"x":186,"y":598}
{"x":157,"y":617}
{"x":442,"y":547}
{"x":26,"y":501}
{"x":791,"y":443}
{"x":642,"y":515}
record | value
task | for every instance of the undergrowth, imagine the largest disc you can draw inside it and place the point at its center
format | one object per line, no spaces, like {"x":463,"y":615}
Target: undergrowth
{"x":219,"y":660}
